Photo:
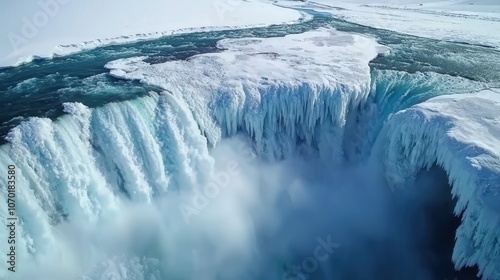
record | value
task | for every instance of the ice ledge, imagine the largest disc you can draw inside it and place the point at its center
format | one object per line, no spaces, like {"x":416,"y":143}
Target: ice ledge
{"x":461,"y":133}
{"x":271,"y":88}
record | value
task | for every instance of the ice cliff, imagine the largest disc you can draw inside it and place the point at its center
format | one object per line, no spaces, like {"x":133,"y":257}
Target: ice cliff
{"x":460,"y":133}
{"x":309,"y":89}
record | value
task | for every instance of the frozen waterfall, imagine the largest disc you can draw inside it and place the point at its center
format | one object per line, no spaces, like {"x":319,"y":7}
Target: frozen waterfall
{"x":199,"y":181}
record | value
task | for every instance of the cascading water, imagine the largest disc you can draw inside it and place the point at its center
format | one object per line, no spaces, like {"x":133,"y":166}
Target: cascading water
{"x":270,"y":160}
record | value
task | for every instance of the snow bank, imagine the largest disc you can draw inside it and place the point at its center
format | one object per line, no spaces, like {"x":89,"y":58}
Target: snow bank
{"x":461,"y":133}
{"x":56,"y":27}
{"x":278,"y":90}
{"x":475,"y":22}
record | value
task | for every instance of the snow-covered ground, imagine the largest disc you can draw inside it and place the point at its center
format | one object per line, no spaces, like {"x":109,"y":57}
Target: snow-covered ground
{"x":47,"y":27}
{"x":469,"y":21}
{"x":43,"y":28}
{"x":460,"y":6}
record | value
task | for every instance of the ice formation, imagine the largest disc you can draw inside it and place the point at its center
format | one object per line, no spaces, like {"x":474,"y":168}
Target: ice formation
{"x":81,"y":166}
{"x":297,"y":93}
{"x":311,"y":77}
{"x":281,"y":91}
{"x":461,"y":133}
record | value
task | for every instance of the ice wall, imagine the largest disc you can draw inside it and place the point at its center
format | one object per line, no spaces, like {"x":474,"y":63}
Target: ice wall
{"x":392,"y":91}
{"x":281,"y":91}
{"x":80,"y":175}
{"x":460,"y":133}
